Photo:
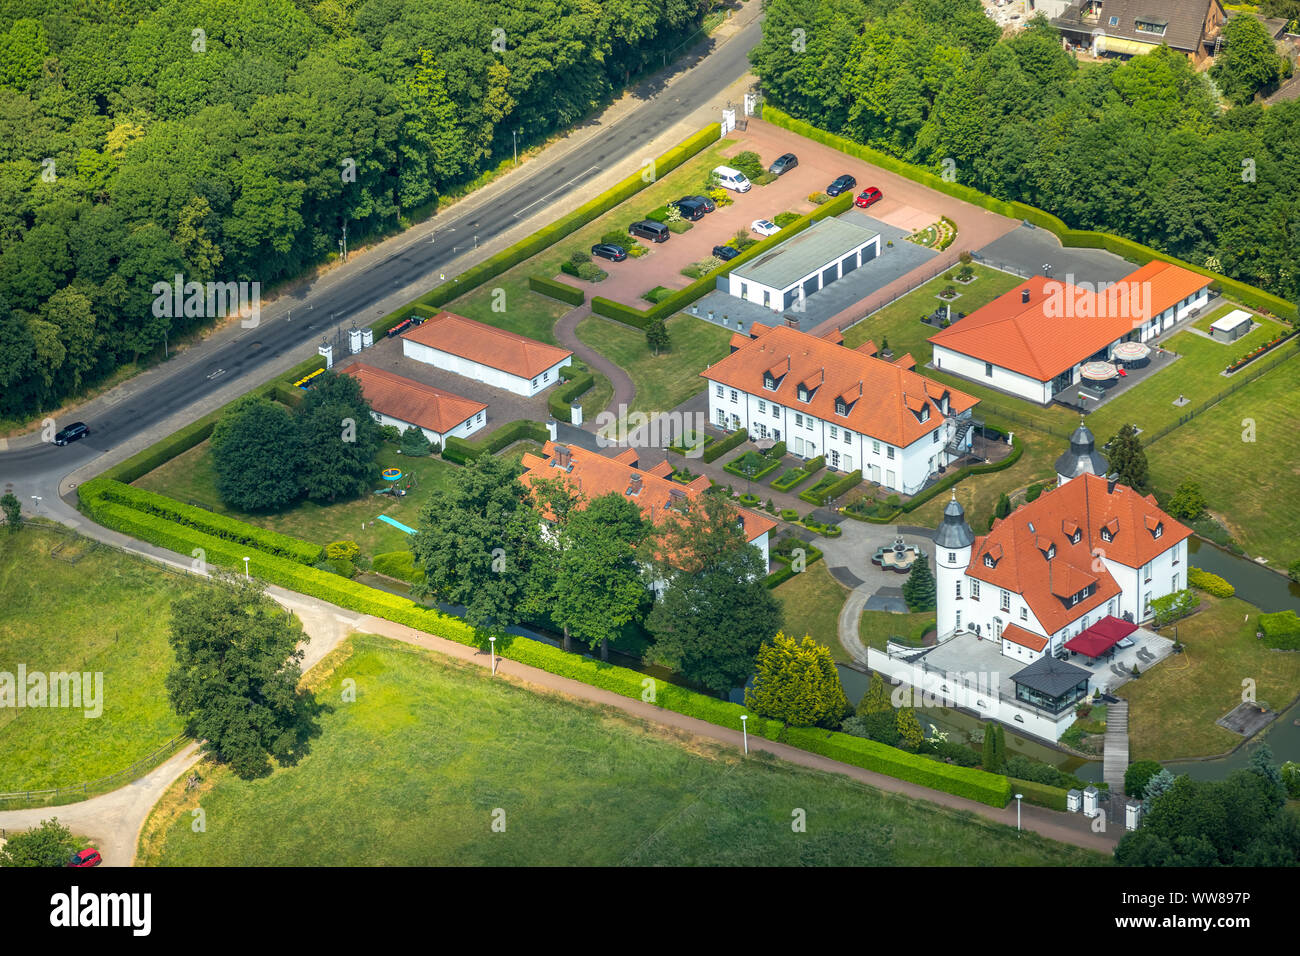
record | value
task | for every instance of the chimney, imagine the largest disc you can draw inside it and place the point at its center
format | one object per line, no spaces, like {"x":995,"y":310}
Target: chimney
{"x":1024,"y":295}
{"x":634,"y":485}
{"x":1111,"y":482}
{"x":563,"y":458}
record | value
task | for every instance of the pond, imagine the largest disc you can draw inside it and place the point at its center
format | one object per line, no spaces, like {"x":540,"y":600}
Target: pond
{"x":1267,"y":590}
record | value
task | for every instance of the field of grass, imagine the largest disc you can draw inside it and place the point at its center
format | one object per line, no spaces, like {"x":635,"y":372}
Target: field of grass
{"x":1250,"y":486}
{"x":666,"y":380}
{"x":462,"y":751}
{"x":1173,"y":707}
{"x":189,"y":477}
{"x":812,"y":600}
{"x":877,"y":627}
{"x":105,"y":613}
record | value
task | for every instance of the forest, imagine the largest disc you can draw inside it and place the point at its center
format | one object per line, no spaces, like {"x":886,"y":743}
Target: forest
{"x":1148,"y":149}
{"x":232,"y":140}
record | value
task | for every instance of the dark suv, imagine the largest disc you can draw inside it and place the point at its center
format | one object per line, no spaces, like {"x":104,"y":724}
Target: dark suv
{"x":726,"y":253}
{"x":704,"y":201}
{"x":690,"y":209}
{"x":841,"y":185}
{"x":71,"y":433}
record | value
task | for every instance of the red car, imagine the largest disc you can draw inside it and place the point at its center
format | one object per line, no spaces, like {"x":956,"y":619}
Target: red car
{"x":868,"y":196}
{"x":87,"y":857}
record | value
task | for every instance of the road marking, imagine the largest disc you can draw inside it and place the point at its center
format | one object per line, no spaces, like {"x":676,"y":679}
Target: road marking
{"x":584,"y":174}
{"x":220,"y":371}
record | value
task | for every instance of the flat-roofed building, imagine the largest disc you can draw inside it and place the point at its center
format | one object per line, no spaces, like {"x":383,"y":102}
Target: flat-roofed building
{"x":804,"y":264}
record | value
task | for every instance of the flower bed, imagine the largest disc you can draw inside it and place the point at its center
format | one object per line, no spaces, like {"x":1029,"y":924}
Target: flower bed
{"x":1260,"y":350}
{"x":759,"y":465}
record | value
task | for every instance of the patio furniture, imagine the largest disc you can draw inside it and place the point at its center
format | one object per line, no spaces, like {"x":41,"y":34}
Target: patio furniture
{"x":1131,"y":351}
{"x":1099,"y":372}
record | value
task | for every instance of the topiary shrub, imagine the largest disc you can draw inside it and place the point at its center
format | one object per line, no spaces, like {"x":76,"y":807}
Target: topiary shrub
{"x":789,"y":514}
{"x":415,"y":443}
{"x":1209,"y":583}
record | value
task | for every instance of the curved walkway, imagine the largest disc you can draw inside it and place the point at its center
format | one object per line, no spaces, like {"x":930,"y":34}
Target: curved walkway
{"x":567,"y":335}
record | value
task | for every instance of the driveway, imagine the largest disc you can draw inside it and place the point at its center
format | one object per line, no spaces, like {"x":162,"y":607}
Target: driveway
{"x":1027,"y":249}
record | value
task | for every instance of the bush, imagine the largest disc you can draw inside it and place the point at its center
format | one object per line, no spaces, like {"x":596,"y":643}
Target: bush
{"x":1293,"y":571}
{"x":1187,"y":503}
{"x":719,"y":448}
{"x":342,"y":550}
{"x":398,"y":564}
{"x":415,"y":443}
{"x":557,"y":290}
{"x":390,"y":433}
{"x":749,"y":163}
{"x":789,"y":514}
{"x":784,"y":219}
{"x":1171,"y":607}
{"x":591,"y":272}
{"x":1033,"y":491}
{"x":818,"y":198}
{"x":1137,"y":775}
{"x":831,"y":487}
{"x":1281,"y":630}
{"x":1209,"y":583}
{"x":561,"y":398}
{"x":461,"y":452}
{"x":578,"y":257}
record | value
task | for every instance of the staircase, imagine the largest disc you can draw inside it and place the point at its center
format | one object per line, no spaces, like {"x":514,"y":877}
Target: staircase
{"x":956,"y":445}
{"x":1115,"y":759}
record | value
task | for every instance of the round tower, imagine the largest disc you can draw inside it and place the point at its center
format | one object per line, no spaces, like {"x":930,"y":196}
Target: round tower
{"x":1082,"y":458}
{"x":952,"y":546}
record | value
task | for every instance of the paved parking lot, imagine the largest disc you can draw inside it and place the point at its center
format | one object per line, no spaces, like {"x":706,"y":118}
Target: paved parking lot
{"x":1026,"y":250}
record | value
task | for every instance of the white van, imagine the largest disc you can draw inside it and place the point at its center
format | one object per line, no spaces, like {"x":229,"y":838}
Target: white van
{"x":732,"y":179}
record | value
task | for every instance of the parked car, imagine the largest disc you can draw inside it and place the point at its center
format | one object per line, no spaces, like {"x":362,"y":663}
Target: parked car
{"x":765,"y":227}
{"x":725,"y":253}
{"x":649,"y":229}
{"x":87,"y":857}
{"x":607,"y":250}
{"x":704,"y":201}
{"x":868,"y":196}
{"x":783,"y":164}
{"x":690,"y":209}
{"x":71,"y":433}
{"x":842,"y":184}
{"x":732,"y":179}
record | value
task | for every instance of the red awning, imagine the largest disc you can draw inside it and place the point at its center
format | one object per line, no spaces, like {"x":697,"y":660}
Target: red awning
{"x":1101,"y":637}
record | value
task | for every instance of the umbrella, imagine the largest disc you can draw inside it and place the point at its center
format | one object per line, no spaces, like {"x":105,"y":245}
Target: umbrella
{"x":1099,"y":372}
{"x":1131,"y":351}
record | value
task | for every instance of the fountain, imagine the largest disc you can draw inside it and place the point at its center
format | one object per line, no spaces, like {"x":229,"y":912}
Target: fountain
{"x":898,"y":557}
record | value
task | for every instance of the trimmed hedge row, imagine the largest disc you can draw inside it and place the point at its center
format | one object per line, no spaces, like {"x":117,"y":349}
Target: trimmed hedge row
{"x":732,"y":468}
{"x":790,"y":479}
{"x":397,"y":564}
{"x":548,"y":235}
{"x":220,"y":526}
{"x":1281,"y":630}
{"x":1209,"y":583}
{"x":680,"y":299}
{"x":973,"y":784}
{"x":833,"y":490}
{"x":461,"y":451}
{"x":784,"y":573}
{"x":1080,"y":238}
{"x":717,"y":449}
{"x":562,"y":396}
{"x":1040,"y":794}
{"x":557,"y":290}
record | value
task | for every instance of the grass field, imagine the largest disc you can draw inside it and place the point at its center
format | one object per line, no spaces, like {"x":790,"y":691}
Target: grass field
{"x":189,"y":477}
{"x":1173,"y":708}
{"x":812,"y":600}
{"x":1251,"y":487}
{"x":877,"y":627}
{"x":105,"y":613}
{"x":461,"y":750}
{"x":662,"y":381}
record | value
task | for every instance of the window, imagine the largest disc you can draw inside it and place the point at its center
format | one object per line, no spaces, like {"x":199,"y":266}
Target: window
{"x":734,"y":395}
{"x":952,"y":557}
{"x":1146,"y":573}
{"x":925,"y":413}
{"x":1106,"y":535}
{"x":835,"y":432}
{"x":1175,"y":583}
{"x":988,"y":369}
{"x":478,"y":417}
{"x":1146,"y":604}
{"x":546,"y":376}
{"x":889,"y":451}
{"x":776,"y":411}
{"x":722,"y":417}
{"x":988,"y":561}
{"x":798,"y":418}
{"x":769,"y":381}
{"x":959,"y":619}
{"x":717,"y":390}
{"x":1159,"y":530}
{"x":534,"y":383}
{"x":1051,"y":551}
{"x":958,"y":585}
{"x":974,"y":589}
{"x":1150,"y":26}
{"x":1005,"y":602}
{"x":934,"y":436}
{"x":841,"y":408}
{"x":803,"y":394}
{"x":1178,"y":549}
{"x":848,"y":437}
{"x":762,"y":406}
{"x":1114,"y":21}
{"x":1074,"y":538}
{"x":875,"y":447}
{"x":1024,"y":614}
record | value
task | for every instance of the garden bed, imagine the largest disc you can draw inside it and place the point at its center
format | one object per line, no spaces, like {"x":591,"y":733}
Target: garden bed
{"x":759,"y":465}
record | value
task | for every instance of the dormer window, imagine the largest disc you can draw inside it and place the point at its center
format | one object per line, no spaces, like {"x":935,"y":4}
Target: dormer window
{"x":769,"y":381}
{"x":1076,"y":537}
{"x":1106,"y":535}
{"x":925,"y":413}
{"x":989,"y":562}
{"x":803,"y":393}
{"x":840,"y":407}
{"x":1051,"y":551}
{"x":1158,"y":530}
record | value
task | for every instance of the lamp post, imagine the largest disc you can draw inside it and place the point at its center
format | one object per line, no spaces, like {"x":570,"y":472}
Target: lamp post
{"x":36,"y":509}
{"x":1018,"y":796}
{"x":246,"y":577}
{"x":744,"y":730}
{"x":493,"y":642}
{"x":514,"y":136}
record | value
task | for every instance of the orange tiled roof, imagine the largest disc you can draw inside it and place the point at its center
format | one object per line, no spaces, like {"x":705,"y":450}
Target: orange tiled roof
{"x":410,"y":401}
{"x":596,"y":475}
{"x":1018,"y":635}
{"x":487,"y":345}
{"x":1087,"y":504}
{"x":883,"y":399}
{"x":1169,"y":284}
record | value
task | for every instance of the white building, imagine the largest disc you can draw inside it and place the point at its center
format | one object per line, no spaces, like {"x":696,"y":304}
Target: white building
{"x":486,"y":354}
{"x":403,"y":402}
{"x":804,"y":264}
{"x":1089,"y":549}
{"x":858,"y":411}
{"x":1033,"y":341}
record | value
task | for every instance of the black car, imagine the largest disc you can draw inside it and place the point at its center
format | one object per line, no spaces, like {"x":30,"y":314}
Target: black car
{"x":71,"y":433}
{"x":608,"y":250}
{"x":783,"y":164}
{"x":841,"y":185}
{"x":725,"y":253}
{"x":704,"y":201}
{"x":690,"y":209}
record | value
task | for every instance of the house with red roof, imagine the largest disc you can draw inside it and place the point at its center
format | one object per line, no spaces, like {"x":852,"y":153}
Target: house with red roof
{"x":652,"y":489}
{"x":485,"y":353}
{"x":403,"y":402}
{"x":1034,"y":341}
{"x":857,"y":410}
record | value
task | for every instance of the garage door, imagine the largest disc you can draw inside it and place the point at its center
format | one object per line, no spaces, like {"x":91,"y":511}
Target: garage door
{"x":848,"y":264}
{"x":790,"y":296}
{"x":869,"y":253}
{"x":810,"y":285}
{"x":829,"y":275}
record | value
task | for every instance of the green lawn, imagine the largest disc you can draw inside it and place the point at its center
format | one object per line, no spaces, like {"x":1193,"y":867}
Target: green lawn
{"x":812,"y":600}
{"x":1251,"y":487}
{"x":189,"y":477}
{"x":1174,"y":706}
{"x":662,"y":381}
{"x":462,"y":750}
{"x":877,"y":627}
{"x":105,"y":613}
{"x":526,"y":312}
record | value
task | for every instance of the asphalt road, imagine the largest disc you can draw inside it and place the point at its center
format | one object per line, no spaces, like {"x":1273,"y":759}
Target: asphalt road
{"x":207,"y":367}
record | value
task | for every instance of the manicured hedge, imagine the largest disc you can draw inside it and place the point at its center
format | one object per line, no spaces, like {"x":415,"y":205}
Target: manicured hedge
{"x":557,"y":290}
{"x":461,"y":452}
{"x":1040,"y":794}
{"x":397,"y":564}
{"x":1281,"y":630}
{"x":680,"y":299}
{"x":837,"y":487}
{"x":550,"y":234}
{"x":228,"y":529}
{"x":720,"y":447}
{"x":1209,"y":583}
{"x":969,"y":782}
{"x":790,"y":479}
{"x":1079,"y":238}
{"x":784,"y":573}
{"x":733,"y":468}
{"x":562,"y":396}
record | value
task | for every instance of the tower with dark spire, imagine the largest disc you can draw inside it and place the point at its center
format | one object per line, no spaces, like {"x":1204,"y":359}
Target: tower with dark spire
{"x":1082,"y":458}
{"x":952,"y":547}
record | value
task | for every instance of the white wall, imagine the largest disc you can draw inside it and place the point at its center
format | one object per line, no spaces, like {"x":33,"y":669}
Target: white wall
{"x":753,"y":291}
{"x":463,"y":430}
{"x":955,"y":363}
{"x":483,"y":373}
